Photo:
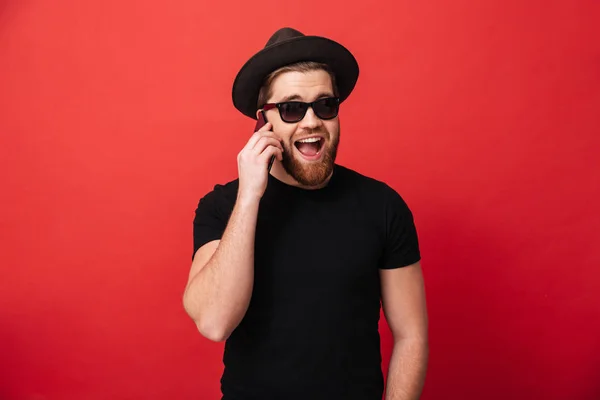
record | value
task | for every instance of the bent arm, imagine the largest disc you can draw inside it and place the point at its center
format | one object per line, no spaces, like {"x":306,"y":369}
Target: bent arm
{"x":404,"y":305}
{"x":222,"y":275}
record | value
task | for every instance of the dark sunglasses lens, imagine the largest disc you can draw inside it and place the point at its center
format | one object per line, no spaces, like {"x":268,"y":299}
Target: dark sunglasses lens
{"x":326,"y":108}
{"x":292,"y":111}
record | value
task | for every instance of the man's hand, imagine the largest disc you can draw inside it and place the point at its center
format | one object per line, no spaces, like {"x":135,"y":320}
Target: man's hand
{"x":253,"y":162}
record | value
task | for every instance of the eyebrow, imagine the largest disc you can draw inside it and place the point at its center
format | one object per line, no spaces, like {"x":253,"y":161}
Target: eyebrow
{"x":297,"y":97}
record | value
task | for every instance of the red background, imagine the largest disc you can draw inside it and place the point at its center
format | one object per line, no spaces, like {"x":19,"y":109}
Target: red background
{"x":116,"y":116}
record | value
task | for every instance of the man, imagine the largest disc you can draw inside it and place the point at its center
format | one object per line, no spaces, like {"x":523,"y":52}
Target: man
{"x":291,"y":267}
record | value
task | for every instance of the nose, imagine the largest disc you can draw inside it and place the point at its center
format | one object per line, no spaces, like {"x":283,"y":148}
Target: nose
{"x":310,"y":120}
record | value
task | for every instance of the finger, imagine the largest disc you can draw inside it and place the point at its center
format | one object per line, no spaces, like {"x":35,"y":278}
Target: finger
{"x":269,"y":152}
{"x":266,"y":141}
{"x":265,"y":144}
{"x":265,"y":127}
{"x":265,"y":130}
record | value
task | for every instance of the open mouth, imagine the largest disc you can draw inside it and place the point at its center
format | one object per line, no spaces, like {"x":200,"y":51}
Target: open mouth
{"x":310,"y":147}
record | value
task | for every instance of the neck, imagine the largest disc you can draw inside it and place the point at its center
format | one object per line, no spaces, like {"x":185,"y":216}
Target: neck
{"x":278,"y":172}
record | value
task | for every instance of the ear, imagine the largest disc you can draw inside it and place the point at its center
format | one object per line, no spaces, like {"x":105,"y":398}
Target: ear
{"x":261,"y":113}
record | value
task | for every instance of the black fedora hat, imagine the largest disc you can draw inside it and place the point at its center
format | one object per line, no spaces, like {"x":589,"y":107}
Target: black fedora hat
{"x":288,"y":46}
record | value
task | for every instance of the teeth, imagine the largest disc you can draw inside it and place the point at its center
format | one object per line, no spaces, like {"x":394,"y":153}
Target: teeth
{"x":310,"y":140}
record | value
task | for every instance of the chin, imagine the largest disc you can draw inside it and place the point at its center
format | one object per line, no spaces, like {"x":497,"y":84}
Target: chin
{"x":310,"y":173}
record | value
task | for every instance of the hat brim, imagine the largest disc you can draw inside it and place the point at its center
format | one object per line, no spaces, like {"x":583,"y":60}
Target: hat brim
{"x":249,"y":79}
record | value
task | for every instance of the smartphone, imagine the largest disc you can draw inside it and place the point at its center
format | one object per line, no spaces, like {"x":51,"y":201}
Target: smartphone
{"x":262,"y":120}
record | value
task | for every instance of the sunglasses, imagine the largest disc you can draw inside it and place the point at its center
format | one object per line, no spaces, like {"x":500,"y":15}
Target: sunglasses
{"x":294,"y":111}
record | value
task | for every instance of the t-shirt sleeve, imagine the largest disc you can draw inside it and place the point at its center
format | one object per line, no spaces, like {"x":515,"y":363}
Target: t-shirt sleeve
{"x":401,"y":247}
{"x":211,"y":218}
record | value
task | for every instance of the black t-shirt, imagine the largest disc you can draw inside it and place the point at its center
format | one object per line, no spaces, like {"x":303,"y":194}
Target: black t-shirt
{"x":311,"y":329}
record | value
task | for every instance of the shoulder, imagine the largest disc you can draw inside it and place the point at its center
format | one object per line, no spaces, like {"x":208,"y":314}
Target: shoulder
{"x":222,"y":196}
{"x":224,"y":190}
{"x":372,"y":188}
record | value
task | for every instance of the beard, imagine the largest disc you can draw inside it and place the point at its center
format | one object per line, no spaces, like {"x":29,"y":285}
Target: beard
{"x":313,"y":173}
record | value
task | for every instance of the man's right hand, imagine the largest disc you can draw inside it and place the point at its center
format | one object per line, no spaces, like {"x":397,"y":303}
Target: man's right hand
{"x":253,"y":162}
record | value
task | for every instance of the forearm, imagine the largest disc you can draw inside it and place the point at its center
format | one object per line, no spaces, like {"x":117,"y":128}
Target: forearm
{"x":407,"y":369}
{"x":217,"y":297}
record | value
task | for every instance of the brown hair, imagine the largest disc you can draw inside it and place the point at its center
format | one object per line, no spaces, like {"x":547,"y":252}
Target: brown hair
{"x":303,"y":66}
